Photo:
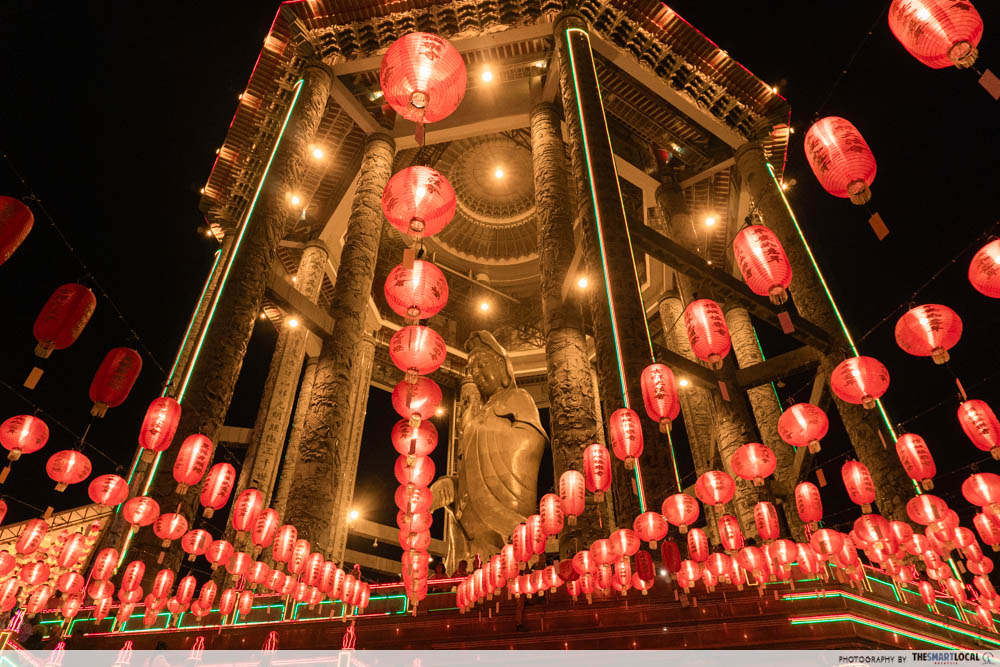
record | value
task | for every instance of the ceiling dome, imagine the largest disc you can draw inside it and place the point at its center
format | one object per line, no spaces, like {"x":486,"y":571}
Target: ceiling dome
{"x":494,"y":185}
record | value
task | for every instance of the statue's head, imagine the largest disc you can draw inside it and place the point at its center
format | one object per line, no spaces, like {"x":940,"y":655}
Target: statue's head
{"x":489,"y":365}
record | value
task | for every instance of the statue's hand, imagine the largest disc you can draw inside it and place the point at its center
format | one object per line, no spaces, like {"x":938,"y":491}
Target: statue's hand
{"x":442,"y":492}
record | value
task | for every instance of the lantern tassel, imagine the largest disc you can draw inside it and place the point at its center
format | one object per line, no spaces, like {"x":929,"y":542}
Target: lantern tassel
{"x":4,"y":473}
{"x":33,"y":377}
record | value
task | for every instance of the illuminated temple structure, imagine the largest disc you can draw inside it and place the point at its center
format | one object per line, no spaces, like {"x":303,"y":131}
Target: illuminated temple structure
{"x":594,"y":141}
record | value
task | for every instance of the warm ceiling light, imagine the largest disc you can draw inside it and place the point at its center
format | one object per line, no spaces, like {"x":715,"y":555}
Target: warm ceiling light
{"x":484,"y":306}
{"x":784,"y":186}
{"x":487,"y":75}
{"x":774,"y":89}
{"x":683,"y":382}
{"x":263,"y":316}
{"x":208,"y":233}
{"x":296,"y":200}
{"x":293,"y":323}
{"x":582,"y":282}
{"x":439,"y":411}
{"x":663,"y":573}
{"x":353,"y":515}
{"x":318,"y":153}
{"x":295,"y":279}
{"x":710,"y":221}
{"x":202,"y":191}
{"x":498,"y":172}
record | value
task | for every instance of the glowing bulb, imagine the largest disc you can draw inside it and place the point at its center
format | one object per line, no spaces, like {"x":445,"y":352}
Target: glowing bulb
{"x":498,"y":172}
{"x":487,"y":75}
{"x":353,"y":515}
{"x":539,"y":64}
{"x":208,"y":233}
{"x":296,"y":200}
{"x":421,"y":191}
{"x":774,"y":89}
{"x":582,"y":282}
{"x":683,"y":382}
{"x":784,"y":186}
{"x":318,"y":153}
{"x":295,"y":279}
{"x":263,"y":316}
{"x":439,"y":411}
{"x":202,"y":191}
{"x":293,"y":323}
{"x":484,"y":306}
{"x":663,"y":573}
{"x":709,"y":221}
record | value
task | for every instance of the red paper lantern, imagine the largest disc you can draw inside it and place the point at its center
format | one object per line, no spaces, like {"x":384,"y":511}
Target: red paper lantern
{"x":276,"y":580}
{"x":988,"y":528}
{"x":698,"y":549}
{"x":40,"y":596}
{"x":16,"y":221}
{"x":207,"y":594}
{"x":926,"y":509}
{"x":860,"y":380}
{"x":284,"y":543}
{"x":227,"y":601}
{"x":418,"y":201}
{"x":670,"y":556}
{"x":192,"y":461}
{"x":715,"y":488}
{"x":762,"y":260}
{"x":859,"y":484}
{"x":3,"y":510}
{"x":219,"y":553}
{"x":753,"y":462}
{"x":114,"y":379}
{"x":689,"y":574}
{"x":108,"y":490}
{"x":413,"y":442}
{"x":929,"y":331}
{"x":170,"y":526}
{"x":196,"y":542}
{"x":827,"y":543}
{"x":707,"y":331}
{"x":416,"y":472}
{"x":22,"y":434}
{"x":550,"y":511}
{"x":67,"y":467}
{"x":413,"y":501}
{"x":133,"y":575}
{"x":34,"y":573}
{"x":680,"y":510}
{"x":417,"y":401}
{"x":140,"y":511}
{"x":104,"y":564}
{"x":7,"y":563}
{"x":938,"y":33}
{"x":803,"y":425}
{"x":808,"y":503}
{"x":162,"y":583}
{"x":240,"y":563}
{"x":300,"y":552}
{"x":31,"y":536}
{"x":840,"y":158}
{"x":730,"y":533}
{"x":626,"y":436}
{"x":916,"y":458}
{"x":218,"y":485}
{"x":603,"y":552}
{"x":70,"y":583}
{"x":159,"y":425}
{"x":625,"y":542}
{"x":246,"y":508}
{"x":981,"y":426}
{"x":8,"y":593}
{"x":70,"y":608}
{"x":659,"y":394}
{"x":650,"y":527}
{"x":72,"y":549}
{"x":572,"y":495}
{"x":984,"y":270}
{"x":765,"y":517}
{"x":185,"y":590}
{"x":63,"y":318}
{"x":417,"y":350}
{"x":265,"y":528}
{"x":982,"y":489}
{"x":419,"y":292}
{"x":597,"y":470}
{"x":423,"y":78}
{"x":872,"y":530}
{"x":313,"y":568}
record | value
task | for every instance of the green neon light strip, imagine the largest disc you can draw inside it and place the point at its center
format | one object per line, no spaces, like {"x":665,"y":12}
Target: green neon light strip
{"x":640,"y":490}
{"x":810,"y":620}
{"x":833,"y":304}
{"x":763,"y":357}
{"x":894,"y":610}
{"x":673,"y":458}
{"x":236,"y":248}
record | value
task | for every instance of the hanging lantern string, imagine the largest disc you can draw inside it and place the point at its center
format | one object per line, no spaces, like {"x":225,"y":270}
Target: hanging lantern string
{"x":50,"y":418}
{"x":87,"y":273}
{"x":951,"y":399}
{"x":850,"y":61}
{"x":21,"y":502}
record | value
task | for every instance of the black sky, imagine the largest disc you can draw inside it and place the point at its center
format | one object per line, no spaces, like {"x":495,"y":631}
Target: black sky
{"x":112,"y":112}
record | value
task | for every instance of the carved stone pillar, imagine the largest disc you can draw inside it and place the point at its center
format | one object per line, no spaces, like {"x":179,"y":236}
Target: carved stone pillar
{"x":620,"y":334}
{"x":893,"y":488}
{"x":361,"y":375}
{"x":291,"y":458}
{"x":324,"y":450}
{"x":734,"y":424}
{"x":766,"y":410}
{"x":572,"y":418}
{"x":205,"y":396}
{"x":260,"y":467}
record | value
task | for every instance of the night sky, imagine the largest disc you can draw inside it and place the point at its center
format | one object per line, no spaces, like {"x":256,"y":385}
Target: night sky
{"x":112,"y":113}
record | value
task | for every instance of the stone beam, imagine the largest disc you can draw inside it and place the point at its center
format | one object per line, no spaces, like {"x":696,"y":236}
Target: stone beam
{"x":370,"y":562}
{"x":281,"y":290}
{"x":684,"y":367}
{"x":350,"y":104}
{"x":389,"y":535}
{"x":783,"y":365}
{"x":711,"y":171}
{"x":727,"y":287}
{"x":234,"y":435}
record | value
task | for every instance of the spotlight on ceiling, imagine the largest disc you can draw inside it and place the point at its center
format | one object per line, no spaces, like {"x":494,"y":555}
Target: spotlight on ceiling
{"x":439,"y":411}
{"x":293,"y":323}
{"x":487,"y":75}
{"x":484,"y":306}
{"x":353,"y":515}
{"x":683,"y":382}
{"x":295,"y":199}
{"x":263,"y":316}
{"x":498,"y":172}
{"x":318,"y":153}
{"x":582,"y":282}
{"x":710,"y":221}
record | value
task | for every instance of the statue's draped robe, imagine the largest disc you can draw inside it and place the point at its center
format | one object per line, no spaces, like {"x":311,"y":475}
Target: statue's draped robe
{"x":501,"y":448}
